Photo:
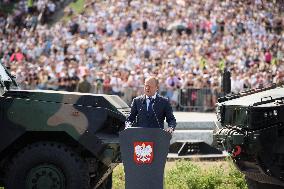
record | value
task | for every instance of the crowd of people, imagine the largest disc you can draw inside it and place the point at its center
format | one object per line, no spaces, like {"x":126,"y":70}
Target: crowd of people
{"x":114,"y":44}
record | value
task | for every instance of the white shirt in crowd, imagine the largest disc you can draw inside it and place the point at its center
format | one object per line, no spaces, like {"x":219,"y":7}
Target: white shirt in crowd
{"x":116,"y":84}
{"x":237,"y":85}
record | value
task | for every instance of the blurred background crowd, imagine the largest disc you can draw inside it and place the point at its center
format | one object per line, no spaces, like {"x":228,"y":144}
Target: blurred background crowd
{"x":114,"y":44}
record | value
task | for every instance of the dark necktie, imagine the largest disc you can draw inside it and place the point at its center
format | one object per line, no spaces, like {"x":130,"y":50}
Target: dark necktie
{"x":150,"y":107}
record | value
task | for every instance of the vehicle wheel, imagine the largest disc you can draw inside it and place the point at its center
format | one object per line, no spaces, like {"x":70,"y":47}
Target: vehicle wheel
{"x":252,"y":184}
{"x":46,"y":165}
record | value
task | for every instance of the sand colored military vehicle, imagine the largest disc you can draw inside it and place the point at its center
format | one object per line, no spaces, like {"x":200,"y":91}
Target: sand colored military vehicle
{"x":251,"y":128}
{"x":59,"y":140}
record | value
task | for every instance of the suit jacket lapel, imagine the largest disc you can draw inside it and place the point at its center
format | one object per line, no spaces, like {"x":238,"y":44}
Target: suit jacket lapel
{"x":156,"y":103}
{"x":144,"y":104}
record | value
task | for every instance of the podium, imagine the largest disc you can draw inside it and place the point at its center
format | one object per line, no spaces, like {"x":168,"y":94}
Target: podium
{"x":144,"y":153}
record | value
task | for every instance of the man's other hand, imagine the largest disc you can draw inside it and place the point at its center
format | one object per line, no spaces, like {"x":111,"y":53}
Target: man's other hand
{"x":169,"y":130}
{"x":127,"y":125}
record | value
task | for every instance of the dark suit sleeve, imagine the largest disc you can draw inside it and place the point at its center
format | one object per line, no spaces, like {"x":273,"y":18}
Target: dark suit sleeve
{"x":170,"y":118}
{"x":133,"y":113}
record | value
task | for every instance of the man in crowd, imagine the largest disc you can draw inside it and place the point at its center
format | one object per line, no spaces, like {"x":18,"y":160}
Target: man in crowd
{"x":84,"y":86}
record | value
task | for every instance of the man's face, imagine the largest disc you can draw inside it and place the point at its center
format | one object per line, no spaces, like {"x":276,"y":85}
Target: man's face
{"x":150,"y":87}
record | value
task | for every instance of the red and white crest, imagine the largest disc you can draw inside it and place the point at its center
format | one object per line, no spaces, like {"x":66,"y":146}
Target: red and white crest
{"x":143,"y":152}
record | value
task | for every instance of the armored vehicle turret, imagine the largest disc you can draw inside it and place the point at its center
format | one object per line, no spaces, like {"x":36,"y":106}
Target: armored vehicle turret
{"x":53,"y":139}
{"x":251,"y":127}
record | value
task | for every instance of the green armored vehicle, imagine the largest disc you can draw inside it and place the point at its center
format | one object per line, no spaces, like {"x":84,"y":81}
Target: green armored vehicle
{"x":251,"y":127}
{"x":58,"y":140}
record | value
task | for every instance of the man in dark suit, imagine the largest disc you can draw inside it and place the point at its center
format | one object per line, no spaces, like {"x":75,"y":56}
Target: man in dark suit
{"x":151,"y":109}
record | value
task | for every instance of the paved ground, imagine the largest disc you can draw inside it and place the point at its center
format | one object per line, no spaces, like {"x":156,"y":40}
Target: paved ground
{"x":195,"y":117}
{"x":195,"y":121}
{"x":196,"y":128}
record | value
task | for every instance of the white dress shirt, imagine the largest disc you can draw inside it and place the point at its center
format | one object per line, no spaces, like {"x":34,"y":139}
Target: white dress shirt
{"x":148,"y":100}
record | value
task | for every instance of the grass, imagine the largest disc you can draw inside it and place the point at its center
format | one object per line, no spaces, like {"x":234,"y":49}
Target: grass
{"x":77,"y":6}
{"x":194,"y":175}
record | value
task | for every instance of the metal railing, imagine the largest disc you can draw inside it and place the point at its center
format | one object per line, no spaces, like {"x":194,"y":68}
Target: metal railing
{"x":197,"y":99}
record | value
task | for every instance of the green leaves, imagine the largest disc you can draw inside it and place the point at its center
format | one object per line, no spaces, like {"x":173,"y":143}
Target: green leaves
{"x":194,"y":175}
{"x":189,"y":175}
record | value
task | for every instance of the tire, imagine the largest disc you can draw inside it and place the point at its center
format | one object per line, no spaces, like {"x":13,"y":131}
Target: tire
{"x":47,"y":165}
{"x":252,"y":184}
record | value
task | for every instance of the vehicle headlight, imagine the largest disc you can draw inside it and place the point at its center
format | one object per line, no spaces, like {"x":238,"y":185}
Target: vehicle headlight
{"x":275,"y":112}
{"x":270,"y":114}
{"x":265,"y":114}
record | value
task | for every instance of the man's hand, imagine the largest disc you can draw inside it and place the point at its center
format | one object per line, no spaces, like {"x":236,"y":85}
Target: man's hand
{"x":169,"y":130}
{"x":127,"y":125}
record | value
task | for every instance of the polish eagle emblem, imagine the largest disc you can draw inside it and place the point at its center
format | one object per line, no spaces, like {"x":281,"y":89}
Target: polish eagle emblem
{"x":143,"y":152}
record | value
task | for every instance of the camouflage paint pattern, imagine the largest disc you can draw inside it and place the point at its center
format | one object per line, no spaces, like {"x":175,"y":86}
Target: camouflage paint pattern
{"x":91,"y":121}
{"x":73,"y":113}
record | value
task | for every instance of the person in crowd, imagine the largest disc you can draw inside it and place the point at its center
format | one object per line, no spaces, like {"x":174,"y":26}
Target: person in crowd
{"x":84,"y":86}
{"x":116,"y":84}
